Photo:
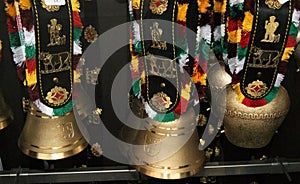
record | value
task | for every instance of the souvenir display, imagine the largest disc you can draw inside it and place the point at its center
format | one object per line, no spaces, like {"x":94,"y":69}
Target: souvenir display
{"x":45,"y":41}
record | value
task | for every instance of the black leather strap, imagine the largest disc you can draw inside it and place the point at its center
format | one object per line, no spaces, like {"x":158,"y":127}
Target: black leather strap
{"x":54,"y":53}
{"x":268,"y":38}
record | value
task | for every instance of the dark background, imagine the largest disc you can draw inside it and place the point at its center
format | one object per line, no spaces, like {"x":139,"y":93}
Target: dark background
{"x":106,"y":14}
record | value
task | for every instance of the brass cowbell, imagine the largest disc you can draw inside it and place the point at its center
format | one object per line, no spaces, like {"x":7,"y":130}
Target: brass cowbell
{"x":167,"y":150}
{"x":50,"y":138}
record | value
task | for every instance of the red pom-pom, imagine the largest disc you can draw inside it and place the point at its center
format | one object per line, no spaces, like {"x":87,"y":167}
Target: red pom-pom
{"x":76,"y":20}
{"x":254,"y":103}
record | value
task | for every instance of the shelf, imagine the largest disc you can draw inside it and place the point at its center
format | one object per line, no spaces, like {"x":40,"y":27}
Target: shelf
{"x":122,"y":173}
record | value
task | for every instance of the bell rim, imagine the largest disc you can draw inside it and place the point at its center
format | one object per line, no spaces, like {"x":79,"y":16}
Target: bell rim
{"x":53,"y":156}
{"x":164,"y":174}
{"x":4,"y":123}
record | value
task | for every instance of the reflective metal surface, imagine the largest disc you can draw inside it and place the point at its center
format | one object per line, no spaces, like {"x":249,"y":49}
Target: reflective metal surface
{"x":50,"y":138}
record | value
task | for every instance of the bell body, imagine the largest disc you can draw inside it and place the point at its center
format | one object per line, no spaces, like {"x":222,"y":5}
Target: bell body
{"x":167,"y":150}
{"x":50,"y":138}
{"x":250,"y":127}
{"x":217,"y":77}
{"x":6,"y":115}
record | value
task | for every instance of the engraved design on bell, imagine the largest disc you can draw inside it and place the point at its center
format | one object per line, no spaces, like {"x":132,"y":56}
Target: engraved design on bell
{"x":152,"y":145}
{"x":250,"y":127}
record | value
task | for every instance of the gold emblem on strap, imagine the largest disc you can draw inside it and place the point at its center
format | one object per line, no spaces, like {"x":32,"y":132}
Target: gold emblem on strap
{"x":55,"y":62}
{"x":264,"y":58}
{"x":271,"y":26}
{"x":158,"y":6}
{"x":274,"y":4}
{"x":156,"y":34}
{"x":54,"y":32}
{"x":161,"y":101}
{"x":256,"y":88}
{"x":163,"y":67}
{"x":57,"y":95}
{"x":50,"y":8}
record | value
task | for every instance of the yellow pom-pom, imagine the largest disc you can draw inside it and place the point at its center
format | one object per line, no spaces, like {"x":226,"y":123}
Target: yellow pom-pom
{"x":30,"y":78}
{"x":234,"y":36}
{"x":237,"y":89}
{"x":25,"y":4}
{"x":288,"y":51}
{"x":10,"y":10}
{"x":75,"y":5}
{"x":136,"y":4}
{"x":182,"y":9}
{"x":248,"y":21}
{"x":203,"y":5}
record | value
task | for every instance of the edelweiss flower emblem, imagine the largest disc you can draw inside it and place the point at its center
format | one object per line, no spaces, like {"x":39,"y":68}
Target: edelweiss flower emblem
{"x":161,"y":101}
{"x":158,"y":6}
{"x":57,"y":95}
{"x":256,"y":88}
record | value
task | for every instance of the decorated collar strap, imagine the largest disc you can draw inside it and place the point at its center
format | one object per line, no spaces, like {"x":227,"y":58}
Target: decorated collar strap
{"x":139,"y":50}
{"x":162,"y":78}
{"x":54,"y":48}
{"x":268,"y":39}
{"x":239,"y":22}
{"x":22,"y":36}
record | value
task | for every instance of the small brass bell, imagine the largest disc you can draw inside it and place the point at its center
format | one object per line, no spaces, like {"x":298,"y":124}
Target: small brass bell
{"x":50,"y":138}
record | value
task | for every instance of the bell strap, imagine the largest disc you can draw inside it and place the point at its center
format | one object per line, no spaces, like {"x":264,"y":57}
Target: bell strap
{"x":268,"y":39}
{"x":54,"y":51}
{"x":162,"y":77}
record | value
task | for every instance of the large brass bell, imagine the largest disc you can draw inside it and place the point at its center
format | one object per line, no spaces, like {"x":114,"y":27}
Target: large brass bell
{"x":6,"y":114}
{"x":157,"y":152}
{"x":50,"y":138}
{"x":250,"y":127}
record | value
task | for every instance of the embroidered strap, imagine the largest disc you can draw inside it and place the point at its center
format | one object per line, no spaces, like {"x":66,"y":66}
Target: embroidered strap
{"x":268,"y":39}
{"x":162,"y":78}
{"x":54,"y":35}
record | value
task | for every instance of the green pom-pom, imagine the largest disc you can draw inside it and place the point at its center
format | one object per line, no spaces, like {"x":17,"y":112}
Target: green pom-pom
{"x":165,"y":118}
{"x":138,"y":47}
{"x":136,"y":87}
{"x":30,"y":51}
{"x":63,"y":110}
{"x":77,"y":32}
{"x":272,"y":94}
{"x":14,"y":40}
